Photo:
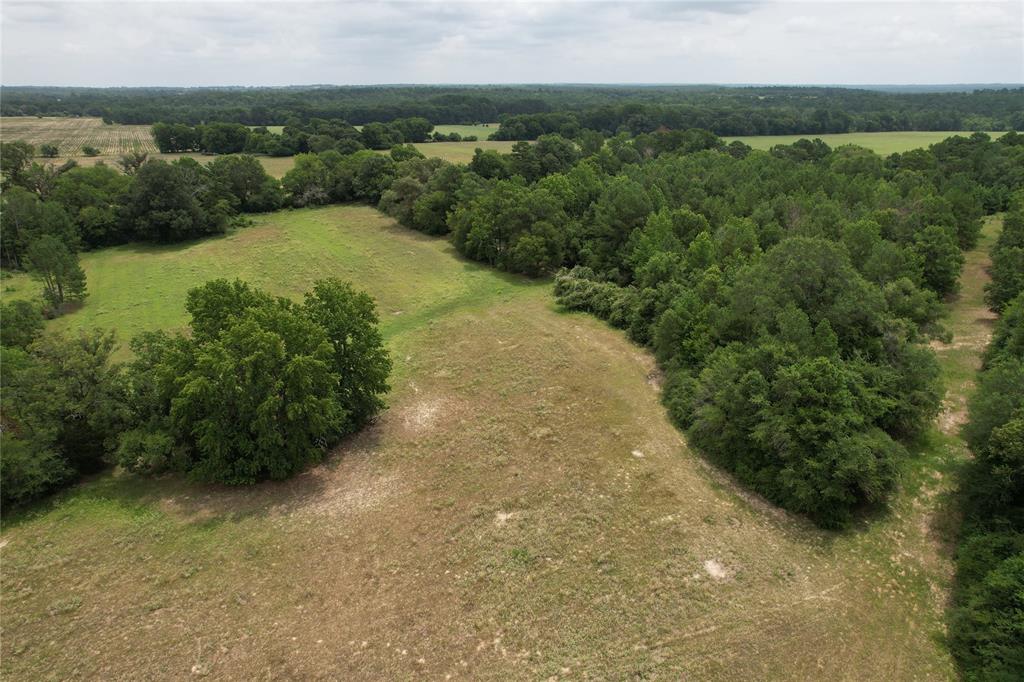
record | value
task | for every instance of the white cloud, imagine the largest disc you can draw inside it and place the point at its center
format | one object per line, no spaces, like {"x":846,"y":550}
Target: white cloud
{"x":221,"y":43}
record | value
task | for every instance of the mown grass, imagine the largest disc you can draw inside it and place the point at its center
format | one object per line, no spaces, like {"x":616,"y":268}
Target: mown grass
{"x":139,"y":287}
{"x":481,"y":130}
{"x":882,"y":143}
{"x":522,"y":510}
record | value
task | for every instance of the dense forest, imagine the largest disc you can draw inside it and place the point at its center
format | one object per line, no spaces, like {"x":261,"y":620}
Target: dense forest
{"x":538,"y":109}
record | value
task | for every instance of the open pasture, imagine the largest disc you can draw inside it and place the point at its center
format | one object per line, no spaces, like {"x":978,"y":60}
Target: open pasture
{"x":523,"y":510}
{"x":481,"y":130}
{"x":71,"y":134}
{"x":882,"y":143}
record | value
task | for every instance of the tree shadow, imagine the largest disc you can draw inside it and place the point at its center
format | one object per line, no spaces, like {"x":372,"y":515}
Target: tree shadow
{"x":195,"y":502}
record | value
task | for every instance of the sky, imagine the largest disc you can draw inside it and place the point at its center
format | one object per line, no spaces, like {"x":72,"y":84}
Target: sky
{"x":88,"y":43}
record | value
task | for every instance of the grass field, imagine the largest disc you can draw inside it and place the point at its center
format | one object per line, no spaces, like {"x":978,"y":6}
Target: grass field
{"x":71,"y":134}
{"x":481,"y":130}
{"x":277,"y":166}
{"x":522,"y":510}
{"x":462,"y":152}
{"x":881,"y":143}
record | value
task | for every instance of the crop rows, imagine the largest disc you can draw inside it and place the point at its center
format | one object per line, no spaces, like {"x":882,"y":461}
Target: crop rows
{"x":71,"y":134}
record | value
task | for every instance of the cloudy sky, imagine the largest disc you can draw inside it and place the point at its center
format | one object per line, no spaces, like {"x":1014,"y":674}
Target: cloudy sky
{"x":248,"y":43}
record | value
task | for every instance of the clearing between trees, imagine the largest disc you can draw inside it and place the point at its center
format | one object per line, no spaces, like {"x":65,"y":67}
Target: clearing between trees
{"x":522,"y":510}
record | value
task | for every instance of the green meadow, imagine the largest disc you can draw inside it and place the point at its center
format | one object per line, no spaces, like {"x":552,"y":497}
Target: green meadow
{"x":881,"y":143}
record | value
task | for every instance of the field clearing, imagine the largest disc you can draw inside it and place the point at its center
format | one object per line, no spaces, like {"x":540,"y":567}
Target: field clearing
{"x":881,"y":143}
{"x":70,"y":134}
{"x":462,"y":152}
{"x":523,"y":510}
{"x":481,"y":130}
{"x":277,"y":166}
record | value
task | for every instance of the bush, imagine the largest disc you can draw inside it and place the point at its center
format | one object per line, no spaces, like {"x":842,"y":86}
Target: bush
{"x":21,"y":323}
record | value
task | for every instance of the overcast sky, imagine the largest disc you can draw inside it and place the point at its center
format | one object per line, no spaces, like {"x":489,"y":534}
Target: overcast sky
{"x":248,"y":43}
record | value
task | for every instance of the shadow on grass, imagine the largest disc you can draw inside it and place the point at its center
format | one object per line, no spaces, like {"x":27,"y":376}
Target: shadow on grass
{"x":197,"y":503}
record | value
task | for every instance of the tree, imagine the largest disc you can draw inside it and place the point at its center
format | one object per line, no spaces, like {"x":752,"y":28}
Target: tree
{"x":31,"y":464}
{"x":414,"y":129}
{"x":276,"y":413}
{"x":92,"y":197}
{"x":489,"y":164}
{"x":132,"y":161}
{"x":243,"y":178}
{"x":404,"y":152}
{"x":24,"y":218}
{"x":362,"y":364}
{"x":15,"y":158}
{"x":309,"y":181}
{"x":224,"y":138}
{"x":987,"y":629}
{"x":89,"y":150}
{"x":50,"y":151}
{"x":169,"y":202}
{"x":62,"y":408}
{"x":380,"y":136}
{"x":21,"y":323}
{"x":176,"y":137}
{"x":261,"y":388}
{"x":941,"y":258}
{"x":50,"y":262}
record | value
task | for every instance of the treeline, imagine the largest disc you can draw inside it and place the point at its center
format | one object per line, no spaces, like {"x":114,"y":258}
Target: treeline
{"x":793,"y":119}
{"x":152,"y":201}
{"x":788,"y":295}
{"x":987,"y":626}
{"x":725,"y":110}
{"x":315,"y":135}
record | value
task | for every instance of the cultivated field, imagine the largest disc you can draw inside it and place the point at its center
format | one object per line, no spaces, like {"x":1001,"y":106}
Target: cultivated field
{"x":881,"y":143}
{"x":523,"y":510}
{"x":71,"y":134}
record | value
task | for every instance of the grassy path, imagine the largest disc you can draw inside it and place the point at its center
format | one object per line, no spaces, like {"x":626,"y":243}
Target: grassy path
{"x":523,"y":510}
{"x":970,"y":320}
